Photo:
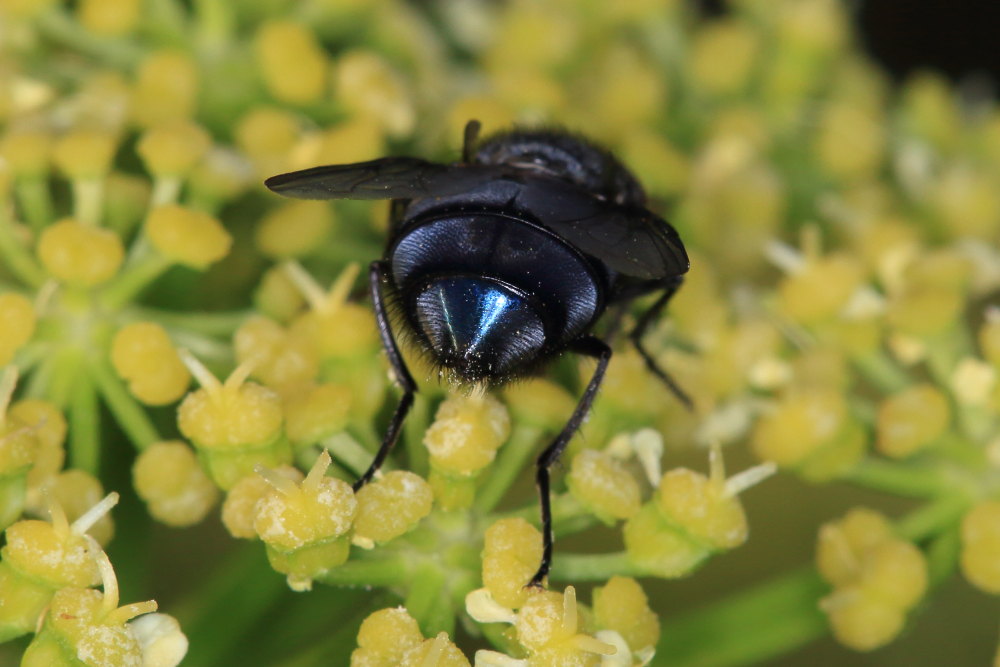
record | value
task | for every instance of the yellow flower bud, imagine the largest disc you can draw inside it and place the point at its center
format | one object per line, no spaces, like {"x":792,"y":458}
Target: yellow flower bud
{"x":799,"y":426}
{"x":391,"y":506}
{"x":235,"y":426}
{"x":143,"y":355}
{"x":723,"y":55}
{"x":622,"y":606}
{"x":821,"y":290}
{"x":367,"y":86}
{"x":981,"y":546}
{"x":439,"y":651}
{"x":334,"y":326}
{"x":277,"y":296}
{"x":291,"y":61}
{"x":187,"y":236}
{"x":166,"y":88}
{"x":861,"y":622}
{"x":539,"y":402}
{"x":40,"y":558}
{"x":703,"y":508}
{"x":27,"y":152}
{"x":84,"y":154}
{"x":989,"y":340}
{"x":512,"y":552}
{"x":109,"y":17}
{"x":966,"y":203}
{"x":240,"y":507}
{"x":265,"y":133}
{"x":911,"y":420}
{"x":466,"y":433}
{"x":925,"y":311}
{"x":80,"y":622}
{"x":305,"y":526}
{"x":842,"y":544}
{"x":356,"y":139}
{"x":18,"y":316}
{"x":25,"y":8}
{"x":49,"y":429}
{"x":851,"y":141}
{"x":80,"y":254}
{"x":167,"y":476}
{"x":173,"y":148}
{"x":548,"y":626}
{"x":294,"y":229}
{"x":877,"y":578}
{"x":385,"y":637}
{"x":281,"y":361}
{"x":316,"y":412}
{"x":603,"y":486}
{"x":894,"y":572}
{"x":77,"y":491}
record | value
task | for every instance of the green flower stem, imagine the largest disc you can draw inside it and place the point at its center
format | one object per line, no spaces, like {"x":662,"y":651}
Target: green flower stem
{"x":394,"y":570}
{"x":568,"y":515}
{"x":209,"y":350}
{"x":130,"y":415}
{"x":508,"y":465}
{"x":36,"y":201}
{"x":15,"y":256}
{"x":84,"y":424}
{"x":945,"y":351}
{"x":37,"y":383}
{"x":88,"y":200}
{"x":31,"y":355}
{"x":781,"y":615}
{"x":943,"y":554}
{"x":218,"y":615}
{"x":593,"y":567}
{"x":933,"y":518}
{"x":497,"y":636}
{"x":427,"y":603}
{"x":165,"y":191}
{"x":750,"y":627}
{"x":61,"y":375}
{"x":320,"y":629}
{"x":167,"y":20}
{"x":879,"y":369}
{"x":207,"y":324}
{"x":143,"y":268}
{"x":216,"y":23}
{"x":900,"y":479}
{"x":351,"y":454}
{"x":56,"y":25}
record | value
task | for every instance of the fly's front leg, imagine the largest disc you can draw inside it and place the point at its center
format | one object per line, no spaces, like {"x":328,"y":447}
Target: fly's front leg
{"x":376,"y":277}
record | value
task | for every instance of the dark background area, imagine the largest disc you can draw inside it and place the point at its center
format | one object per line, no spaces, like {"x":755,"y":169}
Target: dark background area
{"x":958,"y":38}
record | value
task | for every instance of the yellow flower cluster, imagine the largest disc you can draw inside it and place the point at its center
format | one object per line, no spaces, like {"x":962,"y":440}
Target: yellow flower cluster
{"x":877,"y":578}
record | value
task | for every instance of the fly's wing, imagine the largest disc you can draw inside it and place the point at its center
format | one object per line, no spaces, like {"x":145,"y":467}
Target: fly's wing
{"x":630,"y":240}
{"x":385,"y":178}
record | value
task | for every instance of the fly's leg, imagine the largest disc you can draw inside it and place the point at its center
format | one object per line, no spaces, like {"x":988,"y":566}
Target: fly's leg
{"x":637,"y":333}
{"x":376,"y":277}
{"x":591,"y":347}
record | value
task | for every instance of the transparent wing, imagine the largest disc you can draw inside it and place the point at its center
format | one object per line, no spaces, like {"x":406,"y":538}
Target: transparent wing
{"x":385,"y":178}
{"x":632,"y":241}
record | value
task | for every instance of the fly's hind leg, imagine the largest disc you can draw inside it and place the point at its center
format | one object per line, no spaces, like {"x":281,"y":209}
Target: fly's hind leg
{"x":591,"y":347}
